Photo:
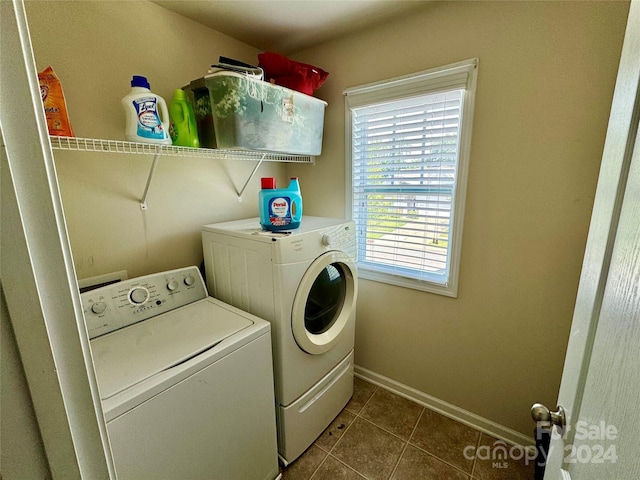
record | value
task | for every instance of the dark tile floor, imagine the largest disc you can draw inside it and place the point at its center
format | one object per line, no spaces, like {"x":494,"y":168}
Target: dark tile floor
{"x":380,"y":436}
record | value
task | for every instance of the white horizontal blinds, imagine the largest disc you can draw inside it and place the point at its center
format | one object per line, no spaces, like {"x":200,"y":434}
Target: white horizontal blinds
{"x":404,"y":163}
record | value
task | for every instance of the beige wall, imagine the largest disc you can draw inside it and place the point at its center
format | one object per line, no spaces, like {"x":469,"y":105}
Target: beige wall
{"x":545,"y":83}
{"x":95,"y":47}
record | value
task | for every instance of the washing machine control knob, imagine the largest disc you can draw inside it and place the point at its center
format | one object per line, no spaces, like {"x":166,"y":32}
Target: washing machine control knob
{"x":189,"y":280}
{"x":98,"y":307}
{"x":172,"y":285}
{"x":138,"y":295}
{"x":327,"y":239}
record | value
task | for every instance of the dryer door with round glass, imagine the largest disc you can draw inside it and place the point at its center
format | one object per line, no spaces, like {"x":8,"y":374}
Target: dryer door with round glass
{"x":324,"y":302}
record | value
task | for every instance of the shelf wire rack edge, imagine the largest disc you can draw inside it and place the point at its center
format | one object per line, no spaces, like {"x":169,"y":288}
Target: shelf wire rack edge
{"x":120,"y":146}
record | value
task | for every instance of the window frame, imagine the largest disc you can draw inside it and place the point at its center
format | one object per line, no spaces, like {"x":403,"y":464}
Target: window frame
{"x":453,"y":76}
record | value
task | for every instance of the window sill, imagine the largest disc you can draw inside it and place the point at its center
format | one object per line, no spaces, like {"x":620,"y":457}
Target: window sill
{"x":400,"y":281}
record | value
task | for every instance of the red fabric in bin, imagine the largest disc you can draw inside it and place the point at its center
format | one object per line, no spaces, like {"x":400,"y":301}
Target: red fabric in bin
{"x":288,"y":73}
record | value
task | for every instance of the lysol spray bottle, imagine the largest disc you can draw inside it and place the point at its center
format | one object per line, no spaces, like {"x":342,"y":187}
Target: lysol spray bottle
{"x":280,"y":209}
{"x":147,"y":116}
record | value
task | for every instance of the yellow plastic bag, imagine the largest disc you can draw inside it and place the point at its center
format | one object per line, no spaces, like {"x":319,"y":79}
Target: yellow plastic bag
{"x":55,"y":106}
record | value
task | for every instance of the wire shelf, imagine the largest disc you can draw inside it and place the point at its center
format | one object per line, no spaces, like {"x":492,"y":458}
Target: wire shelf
{"x":119,"y":146}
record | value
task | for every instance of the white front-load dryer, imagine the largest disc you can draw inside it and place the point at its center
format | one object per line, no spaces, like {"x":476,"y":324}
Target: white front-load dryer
{"x":304,"y":282}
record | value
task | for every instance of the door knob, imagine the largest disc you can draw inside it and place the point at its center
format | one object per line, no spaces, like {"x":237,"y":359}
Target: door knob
{"x":546,"y":419}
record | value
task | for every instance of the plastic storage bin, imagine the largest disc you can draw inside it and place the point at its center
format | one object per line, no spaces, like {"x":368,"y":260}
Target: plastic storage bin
{"x":235,"y":111}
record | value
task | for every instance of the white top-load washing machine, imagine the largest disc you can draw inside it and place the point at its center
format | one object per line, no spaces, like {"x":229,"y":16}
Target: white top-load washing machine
{"x":304,"y":282}
{"x":185,"y":380}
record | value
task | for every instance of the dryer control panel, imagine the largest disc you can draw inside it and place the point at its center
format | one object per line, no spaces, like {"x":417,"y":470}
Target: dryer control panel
{"x":131,"y":301}
{"x":341,"y":237}
{"x":308,"y":245}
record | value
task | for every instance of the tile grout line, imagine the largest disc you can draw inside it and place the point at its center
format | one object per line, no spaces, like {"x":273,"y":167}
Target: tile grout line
{"x":328,"y":452}
{"x":359,"y":415}
{"x":371,"y":422}
{"x":406,"y":443}
{"x":475,"y":456}
{"x":321,"y":463}
{"x":441,"y":459}
{"x":360,"y":474}
{"x":383,"y":428}
{"x":424,"y":409}
{"x":356,"y":415}
{"x":341,"y":437}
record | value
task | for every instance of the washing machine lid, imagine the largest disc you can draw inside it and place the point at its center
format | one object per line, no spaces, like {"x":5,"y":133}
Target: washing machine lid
{"x":135,"y":353}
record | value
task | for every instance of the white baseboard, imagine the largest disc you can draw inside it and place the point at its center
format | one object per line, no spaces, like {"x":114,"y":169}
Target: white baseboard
{"x":463,"y":416}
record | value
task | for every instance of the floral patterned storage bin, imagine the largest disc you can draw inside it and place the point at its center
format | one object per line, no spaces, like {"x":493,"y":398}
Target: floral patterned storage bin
{"x":235,"y":111}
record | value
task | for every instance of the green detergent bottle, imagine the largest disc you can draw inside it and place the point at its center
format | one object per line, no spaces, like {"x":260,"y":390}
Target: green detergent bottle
{"x":280,"y":208}
{"x":183,"y":129}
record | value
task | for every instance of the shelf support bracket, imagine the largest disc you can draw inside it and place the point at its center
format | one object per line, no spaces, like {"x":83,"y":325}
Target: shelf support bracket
{"x":154,"y":165}
{"x":250,"y":177}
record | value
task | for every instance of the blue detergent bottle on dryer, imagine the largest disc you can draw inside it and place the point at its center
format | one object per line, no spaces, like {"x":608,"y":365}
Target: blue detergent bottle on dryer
{"x":280,"y":208}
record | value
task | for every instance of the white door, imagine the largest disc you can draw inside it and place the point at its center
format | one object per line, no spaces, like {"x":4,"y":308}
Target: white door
{"x":600,"y":387}
{"x":38,"y":279}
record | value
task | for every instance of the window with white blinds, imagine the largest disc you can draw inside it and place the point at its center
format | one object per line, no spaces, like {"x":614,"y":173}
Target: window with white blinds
{"x":408,"y":142}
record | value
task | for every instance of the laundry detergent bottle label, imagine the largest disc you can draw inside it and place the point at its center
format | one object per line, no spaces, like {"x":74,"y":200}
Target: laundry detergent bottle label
{"x":146,"y":114}
{"x":149,"y":124}
{"x":280,"y":209}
